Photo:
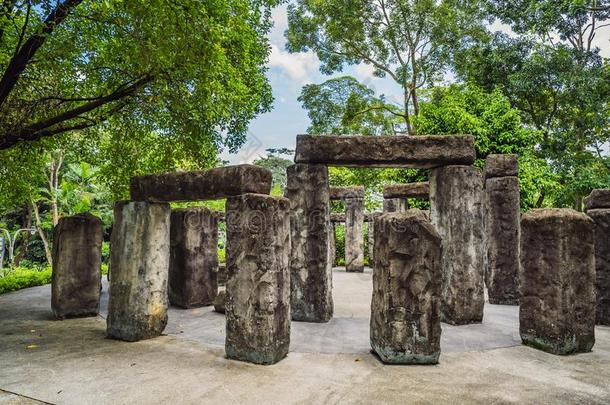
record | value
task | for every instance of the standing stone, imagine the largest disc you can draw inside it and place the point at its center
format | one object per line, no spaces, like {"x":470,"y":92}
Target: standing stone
{"x":601,"y":217}
{"x":77,"y":260}
{"x":333,"y":244}
{"x":221,"y":276}
{"x":557,"y":276}
{"x":258,"y":289}
{"x":503,"y":229}
{"x":138,"y":301}
{"x":395,"y":205}
{"x":406,"y":305}
{"x":354,"y":237}
{"x":458,"y":213}
{"x":310,"y":265}
{"x":193,"y":262}
{"x":371,"y":236}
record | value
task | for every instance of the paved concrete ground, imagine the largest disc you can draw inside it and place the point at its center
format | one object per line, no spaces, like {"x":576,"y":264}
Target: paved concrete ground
{"x":72,"y":362}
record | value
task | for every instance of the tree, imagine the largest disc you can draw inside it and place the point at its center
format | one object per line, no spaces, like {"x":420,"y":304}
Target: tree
{"x":189,"y":70}
{"x":552,"y":71}
{"x":343,"y":106}
{"x":410,"y":41}
{"x":278,"y":166}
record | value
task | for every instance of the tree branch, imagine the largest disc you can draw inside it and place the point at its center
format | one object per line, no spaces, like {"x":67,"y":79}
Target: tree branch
{"x":23,"y":57}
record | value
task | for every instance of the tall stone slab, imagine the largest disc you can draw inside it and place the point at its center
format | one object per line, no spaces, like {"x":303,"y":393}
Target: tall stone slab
{"x":354,"y":236}
{"x":310,"y":261}
{"x":503,"y":229}
{"x":333,"y":243}
{"x":601,"y":217}
{"x":557,"y":277}
{"x":458,"y":213}
{"x":139,"y":264}
{"x":77,"y":260}
{"x":407,"y":288}
{"x":258,"y":288}
{"x":395,"y":205}
{"x":193,"y":265}
{"x":371,"y":237}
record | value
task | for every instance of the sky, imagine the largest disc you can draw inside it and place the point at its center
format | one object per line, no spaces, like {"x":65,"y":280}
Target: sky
{"x":288,"y":73}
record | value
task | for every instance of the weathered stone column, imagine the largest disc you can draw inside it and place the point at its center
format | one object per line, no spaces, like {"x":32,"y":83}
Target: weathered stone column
{"x":395,"y":205}
{"x":310,"y":265}
{"x":258,"y":287}
{"x":598,"y":208}
{"x":371,"y":237}
{"x":354,"y":237}
{"x":77,"y":260}
{"x":138,"y":301}
{"x":503,"y":229}
{"x":557,"y":277}
{"x":193,"y":262}
{"x":333,"y":244}
{"x":458,"y":214}
{"x":407,"y":288}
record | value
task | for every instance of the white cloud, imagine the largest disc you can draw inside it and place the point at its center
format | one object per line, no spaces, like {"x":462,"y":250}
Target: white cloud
{"x":298,"y":66}
{"x":365,"y":72}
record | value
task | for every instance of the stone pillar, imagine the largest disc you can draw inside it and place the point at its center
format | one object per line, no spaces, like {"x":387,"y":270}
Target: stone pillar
{"x":407,"y":288}
{"x":333,"y":244}
{"x":193,"y":262}
{"x":557,"y":277}
{"x":371,"y":239}
{"x":503,"y":229}
{"x":599,"y":210}
{"x":310,"y":265}
{"x":77,"y":260}
{"x":458,"y":213}
{"x":138,"y":301}
{"x":354,"y":237}
{"x":258,"y":288}
{"x":395,"y":205}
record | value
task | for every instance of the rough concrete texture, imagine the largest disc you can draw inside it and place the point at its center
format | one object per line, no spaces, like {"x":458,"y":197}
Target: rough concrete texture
{"x":409,"y":190}
{"x":354,"y":235}
{"x":341,"y":193}
{"x":212,"y":184}
{"x":193,"y":264}
{"x":599,"y":198}
{"x":601,"y":217}
{"x":385,"y":151}
{"x":503,"y":233}
{"x":501,"y":165}
{"x":406,"y":305}
{"x":220,"y":302}
{"x":258,"y":287}
{"x":458,"y":213}
{"x":337,"y":217}
{"x":77,"y":260}
{"x":310,"y":261}
{"x":395,"y":205}
{"x":328,"y":363}
{"x":557,"y":276}
{"x":139,"y":264}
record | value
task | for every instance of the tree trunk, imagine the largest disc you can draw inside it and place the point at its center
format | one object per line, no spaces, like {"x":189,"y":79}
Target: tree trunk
{"x":27,"y":223}
{"x":43,"y":237}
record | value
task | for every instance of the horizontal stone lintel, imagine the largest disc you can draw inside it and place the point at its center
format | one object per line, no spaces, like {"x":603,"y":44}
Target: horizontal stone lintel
{"x":337,"y":217}
{"x":410,"y":190}
{"x":212,"y":184}
{"x":501,"y":165}
{"x":340,"y":193}
{"x":599,"y":198}
{"x":386,"y":151}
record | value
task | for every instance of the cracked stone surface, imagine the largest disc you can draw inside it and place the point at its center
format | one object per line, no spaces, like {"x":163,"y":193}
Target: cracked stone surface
{"x":193,"y":265}
{"x":501,"y":165}
{"x":139,"y":266}
{"x":557,"y":277}
{"x":458,"y":214}
{"x":601,"y":217}
{"x":310,"y":259}
{"x":212,"y":184}
{"x":385,"y":151}
{"x":258,"y":288}
{"x":410,"y":190}
{"x":77,"y":260}
{"x":504,"y":229}
{"x":406,"y":304}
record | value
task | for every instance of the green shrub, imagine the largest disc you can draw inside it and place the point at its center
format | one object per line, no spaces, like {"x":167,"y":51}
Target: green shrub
{"x":22,"y":277}
{"x":221,"y":256}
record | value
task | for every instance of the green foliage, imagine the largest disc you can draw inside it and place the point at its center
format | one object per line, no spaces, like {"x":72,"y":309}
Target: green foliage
{"x":22,"y":277}
{"x":278,"y":166}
